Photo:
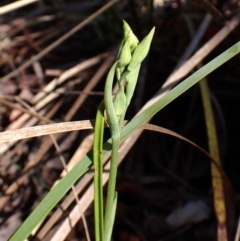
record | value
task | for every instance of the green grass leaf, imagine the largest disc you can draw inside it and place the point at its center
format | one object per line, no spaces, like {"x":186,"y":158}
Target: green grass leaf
{"x":81,"y":167}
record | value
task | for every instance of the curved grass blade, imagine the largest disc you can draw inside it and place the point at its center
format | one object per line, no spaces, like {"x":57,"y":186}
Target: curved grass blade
{"x":80,"y":168}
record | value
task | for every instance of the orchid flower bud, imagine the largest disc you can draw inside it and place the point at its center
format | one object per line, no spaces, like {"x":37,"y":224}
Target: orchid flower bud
{"x":128,"y":33}
{"x":141,"y":51}
{"x":125,"y":55}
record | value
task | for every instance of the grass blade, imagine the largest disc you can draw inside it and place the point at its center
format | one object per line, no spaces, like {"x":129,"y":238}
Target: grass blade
{"x":217,"y":181}
{"x":80,"y":168}
{"x":98,"y":171}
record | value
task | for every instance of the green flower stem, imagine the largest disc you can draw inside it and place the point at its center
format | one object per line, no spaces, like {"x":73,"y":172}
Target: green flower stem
{"x":115,"y":135}
{"x":130,"y":56}
{"x":110,"y":209}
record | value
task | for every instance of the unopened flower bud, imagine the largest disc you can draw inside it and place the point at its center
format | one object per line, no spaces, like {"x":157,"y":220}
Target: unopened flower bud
{"x":141,"y":51}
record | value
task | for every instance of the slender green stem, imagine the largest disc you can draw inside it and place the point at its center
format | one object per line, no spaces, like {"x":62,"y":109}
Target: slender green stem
{"x":110,"y":209}
{"x":115,"y":135}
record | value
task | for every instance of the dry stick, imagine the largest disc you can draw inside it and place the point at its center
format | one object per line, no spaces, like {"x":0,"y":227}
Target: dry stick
{"x":57,"y":42}
{"x":48,"y":112}
{"x":12,"y":6}
{"x":23,"y":120}
{"x":11,"y":153}
{"x":30,"y":122}
{"x":41,"y":130}
{"x":174,"y":78}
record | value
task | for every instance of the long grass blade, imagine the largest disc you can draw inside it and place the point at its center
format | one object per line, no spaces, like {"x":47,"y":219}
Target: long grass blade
{"x":217,"y":181}
{"x":65,"y":184}
{"x":98,"y":171}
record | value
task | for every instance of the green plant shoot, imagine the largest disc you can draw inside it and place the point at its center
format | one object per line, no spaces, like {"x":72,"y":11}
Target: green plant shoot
{"x":126,"y":69}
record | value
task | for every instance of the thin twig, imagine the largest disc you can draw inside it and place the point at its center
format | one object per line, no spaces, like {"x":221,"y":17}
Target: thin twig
{"x":15,"y":5}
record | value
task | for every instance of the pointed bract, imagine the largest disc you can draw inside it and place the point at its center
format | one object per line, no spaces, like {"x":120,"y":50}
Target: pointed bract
{"x":128,"y":33}
{"x":141,"y":51}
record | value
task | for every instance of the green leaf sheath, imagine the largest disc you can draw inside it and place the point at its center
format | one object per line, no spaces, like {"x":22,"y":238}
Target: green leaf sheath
{"x":131,"y":83}
{"x":98,"y":171}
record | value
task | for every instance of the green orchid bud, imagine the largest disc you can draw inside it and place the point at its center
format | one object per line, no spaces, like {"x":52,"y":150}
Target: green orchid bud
{"x":128,"y":33}
{"x":126,"y":29}
{"x":125,"y":55}
{"x":141,"y":51}
{"x":119,"y":102}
